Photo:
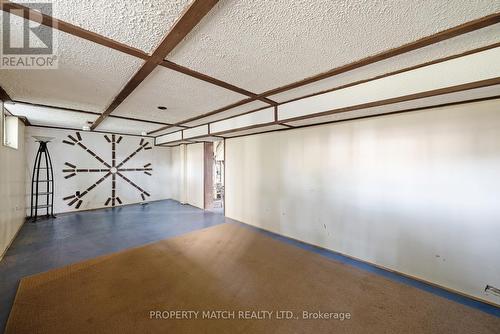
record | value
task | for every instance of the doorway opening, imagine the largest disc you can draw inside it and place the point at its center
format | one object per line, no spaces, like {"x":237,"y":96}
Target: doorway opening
{"x":214,"y":176}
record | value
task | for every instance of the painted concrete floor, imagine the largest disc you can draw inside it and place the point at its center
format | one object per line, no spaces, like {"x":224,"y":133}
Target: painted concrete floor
{"x":74,"y":237}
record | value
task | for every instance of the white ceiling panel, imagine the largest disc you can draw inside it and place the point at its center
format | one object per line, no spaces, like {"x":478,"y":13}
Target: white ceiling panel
{"x":420,"y":103}
{"x":88,"y":75}
{"x":259,"y":117}
{"x":254,"y":130}
{"x":50,"y":116}
{"x":183,"y":96}
{"x":166,"y":131}
{"x":471,"y":68}
{"x":119,"y":125}
{"x":140,"y":24}
{"x":195,"y":132}
{"x":171,"y":137}
{"x":453,"y":46}
{"x":229,"y":113}
{"x":285,"y":41}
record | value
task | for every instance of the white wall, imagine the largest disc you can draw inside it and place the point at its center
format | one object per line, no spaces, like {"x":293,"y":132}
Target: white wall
{"x":187,"y":179}
{"x":157,"y":185}
{"x":418,"y":193}
{"x":12,"y":190}
{"x":194,"y":175}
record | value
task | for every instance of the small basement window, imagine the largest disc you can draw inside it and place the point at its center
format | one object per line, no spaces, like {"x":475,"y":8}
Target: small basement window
{"x":10,"y":130}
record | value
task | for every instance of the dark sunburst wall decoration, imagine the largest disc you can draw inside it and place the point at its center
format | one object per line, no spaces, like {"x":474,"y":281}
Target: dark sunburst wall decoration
{"x":110,"y":169}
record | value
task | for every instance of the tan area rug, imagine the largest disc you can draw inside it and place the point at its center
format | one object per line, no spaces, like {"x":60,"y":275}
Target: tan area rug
{"x":234,"y":269}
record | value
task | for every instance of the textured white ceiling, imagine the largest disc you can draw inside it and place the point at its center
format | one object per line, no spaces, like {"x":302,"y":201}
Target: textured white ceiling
{"x":140,"y":24}
{"x":88,"y":75}
{"x":260,"y":45}
{"x":50,"y":116}
{"x":184,"y":97}
{"x":453,"y":46}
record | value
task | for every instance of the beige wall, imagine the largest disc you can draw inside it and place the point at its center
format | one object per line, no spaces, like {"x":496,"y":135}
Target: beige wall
{"x":418,"y":193}
{"x":12,"y":190}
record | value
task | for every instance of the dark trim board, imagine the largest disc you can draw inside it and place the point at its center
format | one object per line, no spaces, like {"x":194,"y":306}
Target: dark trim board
{"x":189,"y":19}
{"x":4,"y":96}
{"x":93,"y":113}
{"x":393,"y":275}
{"x":173,"y":66}
{"x":46,"y":20}
{"x":464,"y":28}
{"x":98,"y":131}
{"x":405,"y":98}
{"x":369,"y":116}
{"x":423,"y":42}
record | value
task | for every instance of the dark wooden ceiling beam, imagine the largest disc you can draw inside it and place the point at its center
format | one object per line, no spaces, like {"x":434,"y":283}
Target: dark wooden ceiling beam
{"x":46,"y":20}
{"x":4,"y":96}
{"x":399,"y":99}
{"x":95,"y":113}
{"x":418,"y":44}
{"x":354,"y":83}
{"x":467,"y":27}
{"x":35,"y":16}
{"x":190,"y":18}
{"x":194,"y":118}
{"x":179,"y":68}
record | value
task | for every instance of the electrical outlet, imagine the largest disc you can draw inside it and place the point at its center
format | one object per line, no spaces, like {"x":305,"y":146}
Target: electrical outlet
{"x":492,"y":290}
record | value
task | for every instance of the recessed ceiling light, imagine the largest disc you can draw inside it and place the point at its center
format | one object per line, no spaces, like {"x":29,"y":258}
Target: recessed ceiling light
{"x":144,"y":133}
{"x":86,"y":128}
{"x":162,"y":108}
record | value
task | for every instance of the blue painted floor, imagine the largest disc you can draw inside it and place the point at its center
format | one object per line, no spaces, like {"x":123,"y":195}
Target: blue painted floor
{"x":75,"y":237}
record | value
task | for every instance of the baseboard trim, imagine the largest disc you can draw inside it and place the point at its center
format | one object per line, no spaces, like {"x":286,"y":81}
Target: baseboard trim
{"x":442,"y":291}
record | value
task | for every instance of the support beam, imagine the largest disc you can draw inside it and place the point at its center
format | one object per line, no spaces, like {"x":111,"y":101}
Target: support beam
{"x":193,"y":15}
{"x":214,"y":81}
{"x":4,"y":96}
{"x":35,"y":16}
{"x":46,"y":20}
{"x":465,"y":28}
{"x":92,"y":113}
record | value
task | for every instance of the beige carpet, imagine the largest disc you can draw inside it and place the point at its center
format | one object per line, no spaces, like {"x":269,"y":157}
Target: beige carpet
{"x":233,"y":268}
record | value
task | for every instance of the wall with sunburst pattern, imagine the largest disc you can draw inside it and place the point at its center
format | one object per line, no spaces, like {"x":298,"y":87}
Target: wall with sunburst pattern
{"x":95,"y":170}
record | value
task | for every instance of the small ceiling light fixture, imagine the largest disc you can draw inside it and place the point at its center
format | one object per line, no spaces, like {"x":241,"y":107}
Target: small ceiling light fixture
{"x":86,"y":128}
{"x":143,"y":133}
{"x":162,"y":107}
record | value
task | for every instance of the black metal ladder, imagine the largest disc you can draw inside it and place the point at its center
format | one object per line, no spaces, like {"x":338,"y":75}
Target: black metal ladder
{"x":38,"y":191}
